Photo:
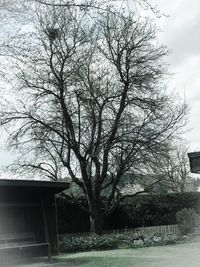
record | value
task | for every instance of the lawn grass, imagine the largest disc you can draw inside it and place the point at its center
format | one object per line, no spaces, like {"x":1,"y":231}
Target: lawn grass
{"x":181,"y":255}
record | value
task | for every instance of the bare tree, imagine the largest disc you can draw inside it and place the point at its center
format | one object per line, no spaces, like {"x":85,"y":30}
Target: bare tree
{"x":100,"y":5}
{"x":173,"y":169}
{"x":92,"y":105}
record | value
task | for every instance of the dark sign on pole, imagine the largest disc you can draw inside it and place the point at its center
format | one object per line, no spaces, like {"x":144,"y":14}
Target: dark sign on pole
{"x":194,"y":159}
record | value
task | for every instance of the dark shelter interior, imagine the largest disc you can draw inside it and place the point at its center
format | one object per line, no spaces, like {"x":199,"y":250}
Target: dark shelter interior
{"x":28,"y":219}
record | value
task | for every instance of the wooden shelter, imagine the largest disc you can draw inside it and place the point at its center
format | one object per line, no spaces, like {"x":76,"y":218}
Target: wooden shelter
{"x":28,"y":219}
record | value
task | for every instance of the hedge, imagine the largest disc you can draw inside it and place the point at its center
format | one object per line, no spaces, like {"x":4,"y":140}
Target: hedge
{"x":138,"y":211}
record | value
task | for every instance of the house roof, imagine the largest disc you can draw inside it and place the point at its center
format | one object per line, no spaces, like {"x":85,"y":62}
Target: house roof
{"x":35,"y":185}
{"x":194,"y":154}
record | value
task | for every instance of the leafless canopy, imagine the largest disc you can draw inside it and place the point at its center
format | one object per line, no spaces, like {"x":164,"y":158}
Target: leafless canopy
{"x":92,"y":100}
{"x":173,"y":168}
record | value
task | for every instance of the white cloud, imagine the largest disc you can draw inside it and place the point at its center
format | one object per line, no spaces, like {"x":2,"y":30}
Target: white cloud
{"x":180,"y":32}
{"x":181,"y":29}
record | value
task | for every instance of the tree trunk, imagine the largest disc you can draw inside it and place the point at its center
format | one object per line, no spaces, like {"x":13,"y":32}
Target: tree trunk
{"x":96,"y":218}
{"x":96,"y":223}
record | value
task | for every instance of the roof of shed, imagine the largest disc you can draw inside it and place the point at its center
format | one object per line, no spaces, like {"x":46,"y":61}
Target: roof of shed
{"x":54,"y":186}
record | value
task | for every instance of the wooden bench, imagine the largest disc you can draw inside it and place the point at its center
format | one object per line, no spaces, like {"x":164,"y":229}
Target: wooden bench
{"x":22,"y":245}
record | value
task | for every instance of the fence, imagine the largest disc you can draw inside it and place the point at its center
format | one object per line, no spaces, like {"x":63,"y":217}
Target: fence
{"x":162,"y":229}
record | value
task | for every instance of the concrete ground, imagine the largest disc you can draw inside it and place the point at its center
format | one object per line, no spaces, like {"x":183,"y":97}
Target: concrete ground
{"x":39,"y":262}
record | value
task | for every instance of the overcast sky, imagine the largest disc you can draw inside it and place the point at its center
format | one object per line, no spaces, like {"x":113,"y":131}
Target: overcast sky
{"x":181,"y":33}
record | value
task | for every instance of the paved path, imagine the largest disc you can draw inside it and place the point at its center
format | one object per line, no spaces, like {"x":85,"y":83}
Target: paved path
{"x":36,"y":263}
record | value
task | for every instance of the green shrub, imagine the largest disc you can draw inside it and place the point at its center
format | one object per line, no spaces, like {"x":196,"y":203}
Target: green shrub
{"x":72,"y":243}
{"x":158,"y":209}
{"x":138,"y":211}
{"x":188,"y":219}
{"x":129,"y":239}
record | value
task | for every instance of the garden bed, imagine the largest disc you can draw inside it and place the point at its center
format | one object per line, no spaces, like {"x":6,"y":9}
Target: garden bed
{"x":116,"y":240}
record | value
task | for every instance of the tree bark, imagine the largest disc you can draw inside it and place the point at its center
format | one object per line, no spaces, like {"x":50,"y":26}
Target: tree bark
{"x":96,"y":218}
